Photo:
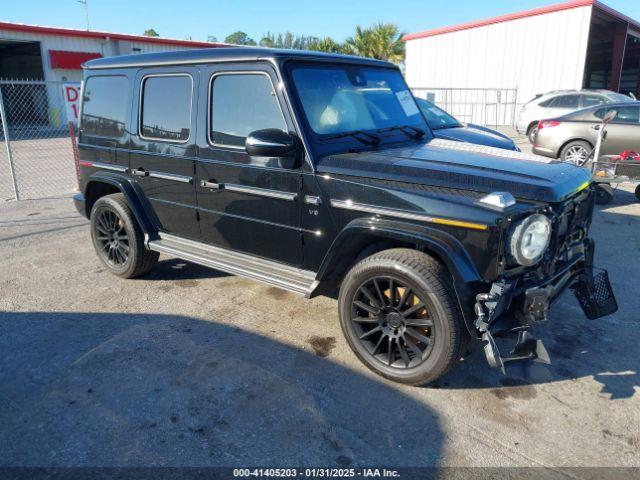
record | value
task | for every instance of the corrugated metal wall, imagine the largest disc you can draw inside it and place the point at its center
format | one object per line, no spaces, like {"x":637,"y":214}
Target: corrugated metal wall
{"x":78,"y":44}
{"x":535,"y":54}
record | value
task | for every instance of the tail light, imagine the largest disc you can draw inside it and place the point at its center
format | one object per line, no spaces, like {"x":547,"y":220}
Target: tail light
{"x":547,"y":124}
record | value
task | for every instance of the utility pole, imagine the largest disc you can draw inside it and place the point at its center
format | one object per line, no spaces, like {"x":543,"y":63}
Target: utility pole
{"x":86,"y":11}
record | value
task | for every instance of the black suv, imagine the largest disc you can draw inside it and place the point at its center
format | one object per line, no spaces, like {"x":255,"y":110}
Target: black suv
{"x":318,"y":174}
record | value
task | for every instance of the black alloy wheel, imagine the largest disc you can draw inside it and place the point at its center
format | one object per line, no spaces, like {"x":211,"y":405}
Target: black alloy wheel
{"x":113,"y":237}
{"x":399,"y":314}
{"x":392,"y":321}
{"x":118,"y":239}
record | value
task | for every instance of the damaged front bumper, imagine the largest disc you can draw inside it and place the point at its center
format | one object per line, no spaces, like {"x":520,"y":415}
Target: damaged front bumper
{"x":511,"y":307}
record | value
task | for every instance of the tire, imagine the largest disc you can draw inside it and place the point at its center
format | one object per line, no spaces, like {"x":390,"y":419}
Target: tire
{"x":118,"y":239}
{"x":637,"y":192}
{"x":604,"y":193}
{"x":576,"y":152}
{"x":531,"y":133}
{"x":429,"y":283}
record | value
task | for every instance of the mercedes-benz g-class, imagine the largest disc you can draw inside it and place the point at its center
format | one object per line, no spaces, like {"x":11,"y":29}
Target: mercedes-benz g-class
{"x":318,"y":174}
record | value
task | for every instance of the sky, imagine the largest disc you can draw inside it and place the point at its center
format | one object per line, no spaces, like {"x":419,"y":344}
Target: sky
{"x":198,"y":19}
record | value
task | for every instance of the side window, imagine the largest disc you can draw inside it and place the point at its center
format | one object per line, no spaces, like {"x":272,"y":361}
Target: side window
{"x":591,"y":100}
{"x":104,"y":106}
{"x":566,"y":101}
{"x":627,"y":115}
{"x":165,"y":108}
{"x":546,"y":103}
{"x":241,"y":104}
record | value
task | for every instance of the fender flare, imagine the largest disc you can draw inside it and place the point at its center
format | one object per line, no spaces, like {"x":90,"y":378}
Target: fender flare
{"x":136,"y":200}
{"x":444,"y":245}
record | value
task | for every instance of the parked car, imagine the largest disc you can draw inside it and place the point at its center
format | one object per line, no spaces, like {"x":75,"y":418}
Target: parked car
{"x":444,"y":125}
{"x":317,"y":173}
{"x":560,"y":102}
{"x":571,"y":137}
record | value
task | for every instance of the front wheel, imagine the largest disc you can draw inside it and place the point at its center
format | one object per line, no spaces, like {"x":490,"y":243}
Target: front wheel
{"x":399,"y":314}
{"x":638,"y":192}
{"x":118,"y":239}
{"x":604,"y":193}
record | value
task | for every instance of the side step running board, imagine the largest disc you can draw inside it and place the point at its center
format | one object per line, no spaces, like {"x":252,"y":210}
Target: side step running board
{"x":256,"y":268}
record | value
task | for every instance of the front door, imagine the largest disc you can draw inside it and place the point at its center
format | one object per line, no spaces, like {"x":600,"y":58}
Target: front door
{"x":624,"y":132}
{"x":248,"y":204}
{"x":163,"y":145}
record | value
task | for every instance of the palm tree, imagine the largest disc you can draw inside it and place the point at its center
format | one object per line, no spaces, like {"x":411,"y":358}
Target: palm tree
{"x":382,"y":41}
{"x":326,"y":44}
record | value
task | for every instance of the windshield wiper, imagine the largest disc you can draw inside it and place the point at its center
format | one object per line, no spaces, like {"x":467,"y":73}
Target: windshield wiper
{"x":370,"y":139}
{"x":413,"y":132}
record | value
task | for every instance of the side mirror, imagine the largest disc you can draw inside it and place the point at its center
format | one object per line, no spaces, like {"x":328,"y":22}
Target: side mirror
{"x":608,"y":118}
{"x":271,"y":142}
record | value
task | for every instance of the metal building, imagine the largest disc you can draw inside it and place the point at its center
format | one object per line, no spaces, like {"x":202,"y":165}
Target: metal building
{"x":484,"y":70}
{"x":56,"y":54}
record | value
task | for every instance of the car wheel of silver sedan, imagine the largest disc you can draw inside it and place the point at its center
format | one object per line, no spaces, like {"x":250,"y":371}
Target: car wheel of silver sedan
{"x":577,"y":152}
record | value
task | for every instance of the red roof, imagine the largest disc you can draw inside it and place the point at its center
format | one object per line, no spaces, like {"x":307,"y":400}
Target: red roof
{"x":503,"y":18}
{"x":69,"y":32}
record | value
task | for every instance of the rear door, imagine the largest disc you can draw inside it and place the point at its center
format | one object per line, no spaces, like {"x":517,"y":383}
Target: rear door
{"x":163,"y":145}
{"x":248,"y":204}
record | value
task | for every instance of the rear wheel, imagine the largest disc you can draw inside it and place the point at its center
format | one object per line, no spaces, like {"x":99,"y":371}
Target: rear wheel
{"x":118,"y":239}
{"x":531,"y":133}
{"x":399,"y":314}
{"x":576,"y":152}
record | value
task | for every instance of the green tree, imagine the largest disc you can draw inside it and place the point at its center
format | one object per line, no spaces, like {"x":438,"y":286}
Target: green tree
{"x":382,"y":41}
{"x":268,"y":40}
{"x":212,"y":39}
{"x":239,"y":38}
{"x":326,"y":44}
{"x":150,"y":32}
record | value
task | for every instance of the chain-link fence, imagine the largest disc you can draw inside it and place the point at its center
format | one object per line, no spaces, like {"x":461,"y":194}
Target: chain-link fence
{"x":36,"y":153}
{"x":492,"y":107}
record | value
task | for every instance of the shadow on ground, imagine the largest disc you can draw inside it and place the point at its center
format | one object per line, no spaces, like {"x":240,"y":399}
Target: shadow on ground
{"x":89,"y":389}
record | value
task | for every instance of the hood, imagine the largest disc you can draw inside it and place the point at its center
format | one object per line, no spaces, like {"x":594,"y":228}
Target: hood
{"x":476,"y":134}
{"x":452,"y":164}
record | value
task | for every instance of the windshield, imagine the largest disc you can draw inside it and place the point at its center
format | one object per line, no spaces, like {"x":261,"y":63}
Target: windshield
{"x":350,"y":98}
{"x":437,"y":118}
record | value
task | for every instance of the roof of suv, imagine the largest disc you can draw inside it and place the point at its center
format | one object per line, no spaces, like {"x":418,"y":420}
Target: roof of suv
{"x":231,"y":54}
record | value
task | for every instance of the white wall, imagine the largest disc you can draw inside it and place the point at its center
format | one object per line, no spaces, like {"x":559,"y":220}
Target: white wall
{"x":535,"y":54}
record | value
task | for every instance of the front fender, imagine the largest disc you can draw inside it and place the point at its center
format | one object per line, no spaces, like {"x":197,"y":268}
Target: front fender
{"x":442,"y":244}
{"x":136,"y":199}
{"x":360,"y":233}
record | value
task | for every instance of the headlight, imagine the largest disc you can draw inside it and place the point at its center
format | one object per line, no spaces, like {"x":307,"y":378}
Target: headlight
{"x":529,"y":239}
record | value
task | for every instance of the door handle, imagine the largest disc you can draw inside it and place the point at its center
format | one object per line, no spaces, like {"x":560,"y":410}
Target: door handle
{"x":211,"y":185}
{"x":596,"y":127}
{"x":140,"y":172}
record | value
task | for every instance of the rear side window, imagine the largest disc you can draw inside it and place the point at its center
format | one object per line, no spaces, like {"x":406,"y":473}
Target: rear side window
{"x":165,"y":110}
{"x":241,"y":104}
{"x":104,"y":106}
{"x":592,"y":100}
{"x":565,"y":101}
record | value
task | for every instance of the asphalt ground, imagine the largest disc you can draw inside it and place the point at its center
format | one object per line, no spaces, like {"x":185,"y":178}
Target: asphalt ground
{"x":191,"y":367}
